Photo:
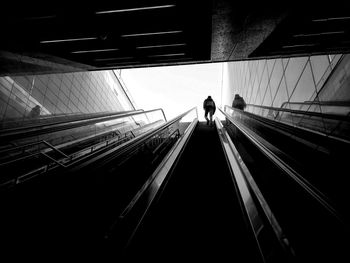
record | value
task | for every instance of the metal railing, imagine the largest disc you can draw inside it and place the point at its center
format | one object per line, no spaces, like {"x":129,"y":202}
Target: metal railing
{"x":17,"y":133}
{"x":54,"y":118}
{"x":106,"y":156}
{"x":330,"y":124}
{"x":335,"y":107}
{"x":26,"y":158}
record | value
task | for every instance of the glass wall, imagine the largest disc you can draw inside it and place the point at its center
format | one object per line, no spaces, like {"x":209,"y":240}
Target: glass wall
{"x":277,"y":82}
{"x":29,"y":96}
{"x":315,"y":84}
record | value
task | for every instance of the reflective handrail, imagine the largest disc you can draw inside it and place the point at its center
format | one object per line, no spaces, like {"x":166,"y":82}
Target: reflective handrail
{"x":131,"y":144}
{"x":322,"y":103}
{"x":65,"y":161}
{"x":142,"y":201}
{"x":74,"y":147}
{"x":300,"y":112}
{"x":54,"y":118}
{"x":252,"y":198}
{"x":298,"y":128}
{"x":18,"y":133}
{"x":269,"y":150}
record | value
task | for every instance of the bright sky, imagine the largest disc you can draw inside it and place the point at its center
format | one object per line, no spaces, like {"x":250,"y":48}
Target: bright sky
{"x":176,"y":89}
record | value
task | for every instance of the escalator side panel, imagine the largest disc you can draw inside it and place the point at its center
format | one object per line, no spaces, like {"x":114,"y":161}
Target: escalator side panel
{"x":314,"y":233}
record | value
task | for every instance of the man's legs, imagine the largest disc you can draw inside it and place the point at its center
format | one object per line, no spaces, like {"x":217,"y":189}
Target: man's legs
{"x":206,"y":116}
{"x":211,"y":111}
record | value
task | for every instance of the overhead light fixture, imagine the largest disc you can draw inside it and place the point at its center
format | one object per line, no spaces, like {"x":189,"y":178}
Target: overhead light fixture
{"x":319,"y":34}
{"x":301,"y":45}
{"x":123,"y":63}
{"x":133,"y":9}
{"x":167,"y":55}
{"x":331,"y":18}
{"x":94,"y":50}
{"x":157,"y":46}
{"x":111,"y":59}
{"x":67,"y":40}
{"x":152,"y":33}
{"x":173,"y":59}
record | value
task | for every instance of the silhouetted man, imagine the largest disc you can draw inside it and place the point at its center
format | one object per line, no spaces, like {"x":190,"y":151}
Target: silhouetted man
{"x":209,"y":108}
{"x":238,"y":102}
{"x":35,"y":112}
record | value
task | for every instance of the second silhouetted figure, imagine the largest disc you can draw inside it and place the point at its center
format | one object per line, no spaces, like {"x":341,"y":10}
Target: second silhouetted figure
{"x":238,"y":102}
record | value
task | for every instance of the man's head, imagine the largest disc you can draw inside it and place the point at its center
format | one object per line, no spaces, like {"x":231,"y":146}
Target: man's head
{"x":209,"y":97}
{"x":237,"y":96}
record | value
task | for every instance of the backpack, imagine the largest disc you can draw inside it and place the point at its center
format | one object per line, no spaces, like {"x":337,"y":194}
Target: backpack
{"x":209,"y":103}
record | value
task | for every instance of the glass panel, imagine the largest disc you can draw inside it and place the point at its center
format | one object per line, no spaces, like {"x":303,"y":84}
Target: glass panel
{"x":24,"y":82}
{"x":267,"y":99}
{"x":56,"y":80}
{"x":12,"y":112}
{"x":276,"y":77}
{"x":258,"y":99}
{"x":66,"y":86}
{"x":323,"y":79}
{"x":319,"y":66}
{"x":43,"y":78}
{"x":254,"y":68}
{"x":254,"y":91}
{"x":285,"y":62}
{"x":293,"y":71}
{"x":263,"y":84}
{"x":49,"y":106}
{"x":40,"y":84}
{"x":335,"y":59}
{"x":19,"y":95}
{"x":261,"y":67}
{"x":270,"y":65}
{"x":337,"y":86}
{"x":6,"y":84}
{"x":305,"y":87}
{"x":3,"y":105}
{"x":51,"y":96}
{"x":281,"y":96}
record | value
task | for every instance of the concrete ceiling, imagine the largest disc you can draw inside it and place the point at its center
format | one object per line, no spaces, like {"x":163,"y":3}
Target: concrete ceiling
{"x":104,"y":34}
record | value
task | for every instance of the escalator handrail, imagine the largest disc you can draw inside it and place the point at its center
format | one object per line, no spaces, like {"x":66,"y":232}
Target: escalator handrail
{"x":142,"y":201}
{"x":266,"y":149}
{"x":251,"y":196}
{"x":106,"y":156}
{"x":18,"y":133}
{"x":301,"y":112}
{"x":58,"y":118}
{"x":61,"y":162}
{"x":295,"y":130}
{"x":321,"y":103}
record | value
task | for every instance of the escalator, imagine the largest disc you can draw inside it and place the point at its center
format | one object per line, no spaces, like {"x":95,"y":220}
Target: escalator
{"x":198,"y":206}
{"x":301,"y":175}
{"x":302,"y":221}
{"x":130,"y":203}
{"x":198,"y":215}
{"x":180,"y":191}
{"x":66,"y":211}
